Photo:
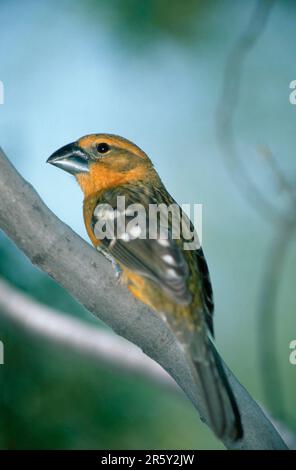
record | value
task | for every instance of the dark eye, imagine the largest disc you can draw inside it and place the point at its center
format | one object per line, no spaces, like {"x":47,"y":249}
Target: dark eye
{"x":103,"y":148}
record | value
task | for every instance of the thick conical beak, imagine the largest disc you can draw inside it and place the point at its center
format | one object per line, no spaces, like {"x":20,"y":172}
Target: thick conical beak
{"x":70,"y":158}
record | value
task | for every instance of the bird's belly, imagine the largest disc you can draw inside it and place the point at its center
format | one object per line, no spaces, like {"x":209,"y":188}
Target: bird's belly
{"x":178,"y":316}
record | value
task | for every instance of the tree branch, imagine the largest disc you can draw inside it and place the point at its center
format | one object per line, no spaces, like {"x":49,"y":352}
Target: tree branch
{"x":273,"y":274}
{"x":58,"y":251}
{"x":227,"y":107}
{"x":104,"y":346}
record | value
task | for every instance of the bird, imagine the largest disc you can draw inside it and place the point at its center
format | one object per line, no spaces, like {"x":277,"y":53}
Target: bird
{"x":160,"y":271}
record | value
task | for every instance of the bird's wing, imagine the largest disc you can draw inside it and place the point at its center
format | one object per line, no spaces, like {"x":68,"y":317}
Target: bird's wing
{"x":160,"y":260}
{"x":206,"y":288}
{"x":203,"y":275}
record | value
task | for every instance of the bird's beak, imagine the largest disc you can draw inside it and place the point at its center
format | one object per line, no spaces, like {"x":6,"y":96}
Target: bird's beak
{"x":70,"y":158}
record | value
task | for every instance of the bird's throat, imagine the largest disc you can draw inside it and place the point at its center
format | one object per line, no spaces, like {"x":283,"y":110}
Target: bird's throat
{"x":101,"y":178}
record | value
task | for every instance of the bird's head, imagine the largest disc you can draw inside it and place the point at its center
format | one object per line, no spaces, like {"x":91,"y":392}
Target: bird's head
{"x":101,"y":161}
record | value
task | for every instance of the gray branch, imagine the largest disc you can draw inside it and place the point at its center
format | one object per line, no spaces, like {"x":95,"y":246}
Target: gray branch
{"x":100,"y":344}
{"x":75,"y":265}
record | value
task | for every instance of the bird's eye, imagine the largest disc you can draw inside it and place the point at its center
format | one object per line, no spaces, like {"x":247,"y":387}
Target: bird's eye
{"x":103,"y":148}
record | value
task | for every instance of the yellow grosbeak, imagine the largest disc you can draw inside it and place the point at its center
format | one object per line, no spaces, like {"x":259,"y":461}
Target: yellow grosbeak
{"x":173,"y":281}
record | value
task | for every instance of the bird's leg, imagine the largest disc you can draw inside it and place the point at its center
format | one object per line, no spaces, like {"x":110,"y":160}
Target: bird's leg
{"x":118,"y":270}
{"x":115,"y":265}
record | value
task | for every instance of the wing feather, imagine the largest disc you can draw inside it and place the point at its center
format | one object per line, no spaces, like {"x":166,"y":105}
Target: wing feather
{"x":162,"y":262}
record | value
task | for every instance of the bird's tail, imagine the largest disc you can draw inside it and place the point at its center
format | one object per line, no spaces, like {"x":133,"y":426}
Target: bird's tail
{"x":221,"y":406}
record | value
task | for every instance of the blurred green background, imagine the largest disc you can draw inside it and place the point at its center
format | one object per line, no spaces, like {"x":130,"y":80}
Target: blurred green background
{"x":151,"y":71}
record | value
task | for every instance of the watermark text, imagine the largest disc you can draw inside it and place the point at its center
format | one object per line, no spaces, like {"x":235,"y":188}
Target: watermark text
{"x":292,"y":356}
{"x":292,"y":96}
{"x":1,"y":92}
{"x":162,"y":222}
{"x":1,"y":353}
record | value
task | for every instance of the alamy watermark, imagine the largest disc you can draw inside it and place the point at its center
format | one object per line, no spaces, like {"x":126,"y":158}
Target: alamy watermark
{"x":292,"y":96}
{"x":1,"y":352}
{"x":160,"y":222}
{"x":292,"y":356}
{"x":1,"y":92}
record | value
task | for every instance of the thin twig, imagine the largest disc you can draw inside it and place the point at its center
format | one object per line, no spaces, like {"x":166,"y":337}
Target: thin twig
{"x":226,"y":111}
{"x":282,"y":182}
{"x":268,"y":361}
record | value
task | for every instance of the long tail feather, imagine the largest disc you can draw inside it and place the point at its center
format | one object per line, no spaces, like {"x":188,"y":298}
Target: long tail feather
{"x":221,"y":406}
